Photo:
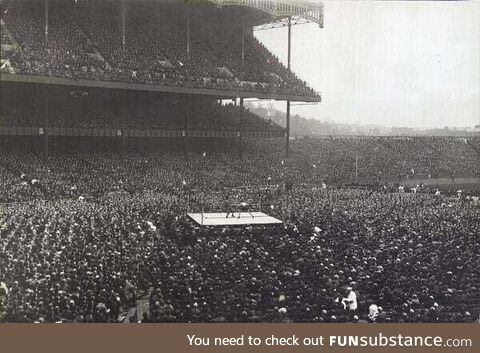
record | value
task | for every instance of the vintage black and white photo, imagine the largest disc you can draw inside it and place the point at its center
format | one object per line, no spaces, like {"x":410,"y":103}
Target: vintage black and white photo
{"x":239,"y":161}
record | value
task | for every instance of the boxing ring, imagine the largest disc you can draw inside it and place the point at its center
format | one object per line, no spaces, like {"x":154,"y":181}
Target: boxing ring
{"x":238,"y":218}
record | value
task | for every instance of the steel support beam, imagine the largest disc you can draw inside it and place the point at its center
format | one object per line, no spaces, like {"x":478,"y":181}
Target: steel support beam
{"x":188,"y":34}
{"x":187,"y":127}
{"x":287,"y":125}
{"x":124,"y":40}
{"x":124,"y":105}
{"x":46,"y":21}
{"x":243,"y":38}
{"x":241,"y":129}
{"x":46,"y":119}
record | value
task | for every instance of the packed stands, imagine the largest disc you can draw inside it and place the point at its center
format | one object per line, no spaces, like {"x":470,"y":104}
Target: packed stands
{"x":86,"y":40}
{"x":313,"y":161}
{"x":71,"y":107}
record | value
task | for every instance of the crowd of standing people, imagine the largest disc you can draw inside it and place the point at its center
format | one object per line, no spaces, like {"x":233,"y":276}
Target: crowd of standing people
{"x":86,"y":232}
{"x":84,"y":235}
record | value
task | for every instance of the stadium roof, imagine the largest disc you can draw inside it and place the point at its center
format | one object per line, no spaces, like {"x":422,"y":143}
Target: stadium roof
{"x":280,"y":9}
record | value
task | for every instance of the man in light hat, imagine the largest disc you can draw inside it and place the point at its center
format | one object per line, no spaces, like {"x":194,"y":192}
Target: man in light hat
{"x":372,"y":312}
{"x":350,"y":302}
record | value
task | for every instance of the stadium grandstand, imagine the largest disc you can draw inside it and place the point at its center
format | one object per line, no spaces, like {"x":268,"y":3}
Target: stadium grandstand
{"x":58,"y":51}
{"x":123,"y":128}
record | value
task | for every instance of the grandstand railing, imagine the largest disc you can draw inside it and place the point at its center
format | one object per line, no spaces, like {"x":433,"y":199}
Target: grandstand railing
{"x":158,"y":133}
{"x":219,"y":93}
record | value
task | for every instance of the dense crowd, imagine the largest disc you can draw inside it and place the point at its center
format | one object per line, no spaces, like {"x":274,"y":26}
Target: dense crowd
{"x":391,"y":158}
{"x":84,"y":235}
{"x":210,"y":163}
{"x":398,"y":252}
{"x":86,"y":40}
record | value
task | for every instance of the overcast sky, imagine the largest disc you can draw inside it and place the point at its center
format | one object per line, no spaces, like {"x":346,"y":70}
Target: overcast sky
{"x":391,"y":63}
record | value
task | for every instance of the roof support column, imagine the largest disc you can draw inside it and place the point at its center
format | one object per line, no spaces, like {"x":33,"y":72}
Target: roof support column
{"x":188,"y":34}
{"x":124,"y":105}
{"x":124,"y":42}
{"x":287,"y":132}
{"x":287,"y":125}
{"x":187,"y":127}
{"x":241,"y":129}
{"x":243,"y":37}
{"x":46,"y":116}
{"x":46,"y":21}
